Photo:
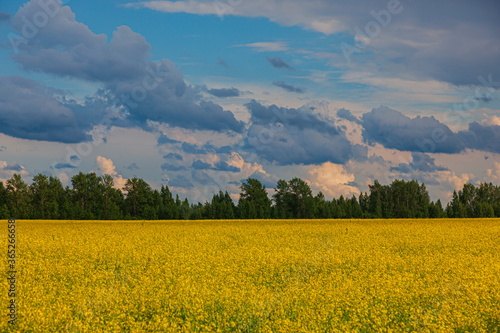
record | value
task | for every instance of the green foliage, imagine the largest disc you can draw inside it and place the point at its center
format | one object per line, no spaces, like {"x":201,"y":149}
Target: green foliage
{"x":96,"y":197}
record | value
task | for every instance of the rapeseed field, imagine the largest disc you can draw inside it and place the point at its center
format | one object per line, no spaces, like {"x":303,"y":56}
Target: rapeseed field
{"x":256,"y":276}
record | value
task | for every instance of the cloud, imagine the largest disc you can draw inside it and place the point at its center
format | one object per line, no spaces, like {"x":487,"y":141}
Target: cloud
{"x":2,"y":148}
{"x":453,"y":41}
{"x":279,"y":63}
{"x":219,"y":166}
{"x":200,"y":165}
{"x":29,"y":110}
{"x":193,"y":149}
{"x":133,"y":167}
{"x":317,"y":16}
{"x":13,"y":167}
{"x":173,"y":156}
{"x":392,"y":129}
{"x":225,"y":92}
{"x":482,"y":137}
{"x":163,"y":139}
{"x":7,"y":170}
{"x":294,"y":136}
{"x":268,"y":46}
{"x":172,"y":167}
{"x":493,"y":175}
{"x":484,"y":98}
{"x":180,"y":181}
{"x":347,"y":115}
{"x":64,"y":166}
{"x":149,"y":90}
{"x":288,"y":87}
{"x":4,"y":16}
{"x":333,"y":180}
{"x":420,"y":162}
{"x":107,"y":167}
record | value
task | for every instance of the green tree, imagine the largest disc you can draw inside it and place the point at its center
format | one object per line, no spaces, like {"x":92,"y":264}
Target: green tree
{"x":18,"y":197}
{"x":254,"y":202}
{"x":139,"y":198}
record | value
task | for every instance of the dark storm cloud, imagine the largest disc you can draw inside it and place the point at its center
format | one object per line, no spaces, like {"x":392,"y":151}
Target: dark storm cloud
{"x":420,"y":162}
{"x":224,"y":92}
{"x":279,"y":63}
{"x":294,"y":136}
{"x":29,"y":110}
{"x":289,"y":87}
{"x":346,"y":114}
{"x":150,"y":90}
{"x":392,"y":129}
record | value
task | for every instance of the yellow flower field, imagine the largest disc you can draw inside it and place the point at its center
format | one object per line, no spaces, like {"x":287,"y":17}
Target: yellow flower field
{"x":256,"y":276}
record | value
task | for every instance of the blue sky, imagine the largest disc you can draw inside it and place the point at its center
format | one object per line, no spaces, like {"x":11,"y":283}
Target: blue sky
{"x":200,"y":95}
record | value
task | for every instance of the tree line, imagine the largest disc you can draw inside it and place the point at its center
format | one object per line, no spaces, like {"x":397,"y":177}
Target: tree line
{"x":93,"y":197}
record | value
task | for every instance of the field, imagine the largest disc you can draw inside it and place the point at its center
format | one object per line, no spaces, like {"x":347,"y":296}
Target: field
{"x":256,"y":276}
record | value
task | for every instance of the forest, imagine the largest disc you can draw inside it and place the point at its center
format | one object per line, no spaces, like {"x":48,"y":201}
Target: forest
{"x":93,"y":197}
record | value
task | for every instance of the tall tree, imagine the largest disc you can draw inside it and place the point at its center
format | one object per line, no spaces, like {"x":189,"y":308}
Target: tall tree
{"x":254,"y":202}
{"x":18,"y":196}
{"x":139,"y":198}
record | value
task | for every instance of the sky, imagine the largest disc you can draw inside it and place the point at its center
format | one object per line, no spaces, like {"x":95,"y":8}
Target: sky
{"x":199,"y":95}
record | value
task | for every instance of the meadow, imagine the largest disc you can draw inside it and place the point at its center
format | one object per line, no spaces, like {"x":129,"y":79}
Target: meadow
{"x":256,"y":276}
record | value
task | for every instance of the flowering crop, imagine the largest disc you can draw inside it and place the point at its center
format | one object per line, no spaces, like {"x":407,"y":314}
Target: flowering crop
{"x":257,"y":276}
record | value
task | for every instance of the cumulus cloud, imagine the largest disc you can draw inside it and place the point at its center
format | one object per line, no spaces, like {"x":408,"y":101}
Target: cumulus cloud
{"x":347,"y":115}
{"x":279,"y":63}
{"x":493,"y":175}
{"x":150,"y":90}
{"x":224,"y":92}
{"x":294,"y":136}
{"x":289,"y":87}
{"x":29,"y":110}
{"x":107,"y":167}
{"x":7,"y":170}
{"x":333,"y":180}
{"x":392,"y":129}
{"x":482,"y":137}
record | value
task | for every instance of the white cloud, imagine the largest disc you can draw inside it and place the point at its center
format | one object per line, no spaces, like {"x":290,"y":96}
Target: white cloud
{"x":493,"y":175}
{"x":332,"y":179}
{"x":7,"y":170}
{"x":267,"y":46}
{"x":107,"y":167}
